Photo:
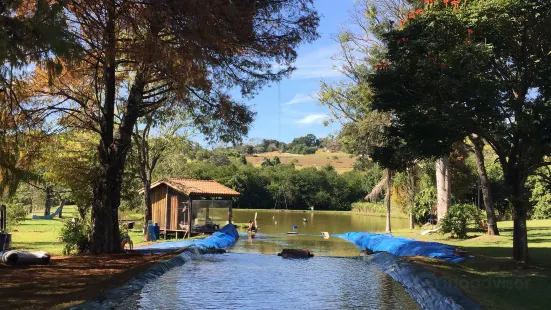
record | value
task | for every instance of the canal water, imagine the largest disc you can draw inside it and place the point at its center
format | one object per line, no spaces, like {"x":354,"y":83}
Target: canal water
{"x":252,"y":276}
{"x":256,"y":281}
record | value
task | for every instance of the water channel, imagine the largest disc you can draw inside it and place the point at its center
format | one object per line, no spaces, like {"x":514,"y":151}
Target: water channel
{"x":251,"y":276}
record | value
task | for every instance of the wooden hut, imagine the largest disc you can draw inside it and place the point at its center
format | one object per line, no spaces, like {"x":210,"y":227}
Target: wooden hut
{"x":184,"y":205}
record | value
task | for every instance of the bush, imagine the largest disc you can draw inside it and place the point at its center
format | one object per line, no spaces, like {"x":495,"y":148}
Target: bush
{"x":542,"y":207}
{"x":455,"y":222}
{"x":15,"y":213}
{"x":76,"y":237}
{"x":424,"y":201}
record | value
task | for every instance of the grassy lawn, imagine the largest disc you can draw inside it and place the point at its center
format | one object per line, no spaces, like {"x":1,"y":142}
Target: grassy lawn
{"x":341,"y":161}
{"x":44,"y":235}
{"x":491,"y":278}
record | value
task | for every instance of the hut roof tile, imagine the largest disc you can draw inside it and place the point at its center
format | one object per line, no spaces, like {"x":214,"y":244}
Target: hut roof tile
{"x":197,"y":187}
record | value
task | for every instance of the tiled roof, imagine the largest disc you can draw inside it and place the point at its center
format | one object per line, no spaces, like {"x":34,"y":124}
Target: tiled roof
{"x":197,"y":187}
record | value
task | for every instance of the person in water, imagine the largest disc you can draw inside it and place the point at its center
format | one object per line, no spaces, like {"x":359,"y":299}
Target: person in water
{"x":251,"y":231}
{"x":251,"y":227}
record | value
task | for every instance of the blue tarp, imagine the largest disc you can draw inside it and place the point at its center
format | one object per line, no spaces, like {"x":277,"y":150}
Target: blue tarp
{"x":221,"y":239}
{"x":401,"y":246}
{"x":49,"y":216}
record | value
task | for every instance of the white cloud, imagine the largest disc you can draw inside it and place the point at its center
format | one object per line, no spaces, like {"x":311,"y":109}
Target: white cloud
{"x":316,"y":118}
{"x":301,"y":98}
{"x":316,"y":64}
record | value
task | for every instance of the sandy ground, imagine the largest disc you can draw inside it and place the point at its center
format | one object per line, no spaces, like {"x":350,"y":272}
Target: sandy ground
{"x":69,"y":280}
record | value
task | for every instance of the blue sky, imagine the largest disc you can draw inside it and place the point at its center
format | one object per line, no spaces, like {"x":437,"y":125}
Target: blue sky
{"x":300,"y":114}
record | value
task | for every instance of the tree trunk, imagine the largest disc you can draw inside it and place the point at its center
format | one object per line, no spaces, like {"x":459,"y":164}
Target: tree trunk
{"x":411,"y":189}
{"x":82,"y":210}
{"x":105,"y":204}
{"x":147,"y":211}
{"x":106,"y":192}
{"x":515,"y":178}
{"x":49,"y":200}
{"x":442,"y":187}
{"x":61,"y":205}
{"x":520,"y":233}
{"x":388,"y":190}
{"x":485,"y":185}
{"x":112,"y":157}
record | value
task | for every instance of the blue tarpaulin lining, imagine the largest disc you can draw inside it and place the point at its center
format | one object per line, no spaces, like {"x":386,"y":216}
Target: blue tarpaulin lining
{"x":221,"y":239}
{"x":430,"y":291}
{"x":48,"y":217}
{"x":401,"y":246}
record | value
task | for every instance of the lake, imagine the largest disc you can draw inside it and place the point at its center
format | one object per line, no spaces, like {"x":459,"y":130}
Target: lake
{"x":273,"y":226}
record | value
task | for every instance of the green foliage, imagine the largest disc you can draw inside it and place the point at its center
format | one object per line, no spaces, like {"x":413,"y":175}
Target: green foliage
{"x":370,"y":208}
{"x":308,"y":144}
{"x":541,"y":195}
{"x":15,"y":213}
{"x":425,"y":200}
{"x":75,"y":236}
{"x":243,"y":159}
{"x":281,"y":185}
{"x":456,"y":221}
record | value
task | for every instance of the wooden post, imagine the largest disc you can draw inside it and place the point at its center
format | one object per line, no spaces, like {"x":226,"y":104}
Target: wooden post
{"x":190,"y":214}
{"x":167,"y":216}
{"x":2,"y":217}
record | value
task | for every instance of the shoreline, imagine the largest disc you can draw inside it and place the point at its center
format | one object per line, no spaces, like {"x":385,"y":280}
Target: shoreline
{"x":377,"y":214}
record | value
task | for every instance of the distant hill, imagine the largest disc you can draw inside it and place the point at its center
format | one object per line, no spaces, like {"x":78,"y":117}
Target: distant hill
{"x":341,"y":161}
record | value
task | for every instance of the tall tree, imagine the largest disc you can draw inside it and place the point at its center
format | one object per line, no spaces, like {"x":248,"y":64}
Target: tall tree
{"x":479,"y":67}
{"x":139,"y":55}
{"x":349,"y":100}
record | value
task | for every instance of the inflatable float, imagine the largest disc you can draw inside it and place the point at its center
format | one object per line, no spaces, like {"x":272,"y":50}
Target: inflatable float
{"x":24,"y":258}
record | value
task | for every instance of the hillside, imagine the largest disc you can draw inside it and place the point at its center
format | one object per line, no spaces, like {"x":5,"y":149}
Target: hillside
{"x":341,"y":161}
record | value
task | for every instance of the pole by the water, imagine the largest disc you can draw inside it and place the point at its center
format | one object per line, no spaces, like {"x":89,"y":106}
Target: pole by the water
{"x":2,"y":217}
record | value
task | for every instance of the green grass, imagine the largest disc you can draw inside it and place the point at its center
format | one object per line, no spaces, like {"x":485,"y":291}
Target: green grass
{"x":491,"y":278}
{"x":375,"y":209}
{"x":44,"y":235}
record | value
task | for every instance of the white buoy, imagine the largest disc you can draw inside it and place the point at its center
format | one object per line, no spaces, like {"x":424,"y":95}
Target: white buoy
{"x":325,"y":235}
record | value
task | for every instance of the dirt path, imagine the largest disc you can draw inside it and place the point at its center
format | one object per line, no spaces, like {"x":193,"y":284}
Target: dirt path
{"x":69,"y":280}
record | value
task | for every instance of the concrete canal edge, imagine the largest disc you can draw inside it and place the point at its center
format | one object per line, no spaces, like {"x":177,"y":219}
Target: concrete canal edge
{"x":428,"y":290}
{"x":114,"y":298}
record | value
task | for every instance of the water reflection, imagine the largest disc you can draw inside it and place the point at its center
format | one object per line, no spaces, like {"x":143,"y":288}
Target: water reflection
{"x":246,"y":281}
{"x":273,"y":226}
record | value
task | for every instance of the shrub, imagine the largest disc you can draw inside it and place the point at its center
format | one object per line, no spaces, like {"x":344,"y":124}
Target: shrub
{"x":455,"y":222}
{"x":76,"y":235}
{"x":542,"y":207}
{"x":15,"y":213}
{"x":424,"y":201}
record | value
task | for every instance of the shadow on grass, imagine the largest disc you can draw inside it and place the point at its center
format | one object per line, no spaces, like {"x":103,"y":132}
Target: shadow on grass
{"x":540,"y":257}
{"x":495,"y":281}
